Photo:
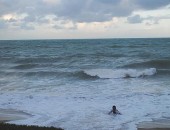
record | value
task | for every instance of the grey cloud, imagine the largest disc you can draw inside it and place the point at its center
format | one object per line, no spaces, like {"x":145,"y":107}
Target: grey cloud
{"x":134,"y":19}
{"x":12,"y":20}
{"x":79,"y":10}
{"x":107,"y":1}
{"x":9,"y":6}
{"x":57,"y":27}
{"x":3,"y":24}
{"x":155,"y":20}
{"x":26,"y":27}
{"x":151,"y":4}
{"x":62,"y":25}
{"x":92,"y":10}
{"x":34,"y":18}
{"x":103,"y":10}
{"x":150,"y":20}
{"x":30,"y":18}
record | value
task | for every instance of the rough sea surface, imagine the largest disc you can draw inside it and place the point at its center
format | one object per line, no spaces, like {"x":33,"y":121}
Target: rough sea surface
{"x":73,"y":84}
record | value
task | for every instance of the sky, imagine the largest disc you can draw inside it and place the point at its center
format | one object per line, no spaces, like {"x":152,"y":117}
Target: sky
{"x":78,"y":19}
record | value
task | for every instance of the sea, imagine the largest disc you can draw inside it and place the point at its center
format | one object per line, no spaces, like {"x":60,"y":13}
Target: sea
{"x":74,"y":83}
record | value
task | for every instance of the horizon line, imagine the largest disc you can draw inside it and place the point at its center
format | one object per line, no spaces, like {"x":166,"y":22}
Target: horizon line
{"x":84,"y":38}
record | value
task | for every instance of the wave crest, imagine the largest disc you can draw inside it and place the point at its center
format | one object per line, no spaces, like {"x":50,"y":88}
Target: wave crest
{"x":120,"y":73}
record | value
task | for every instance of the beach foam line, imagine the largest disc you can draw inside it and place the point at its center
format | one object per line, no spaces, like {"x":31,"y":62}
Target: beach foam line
{"x":7,"y":115}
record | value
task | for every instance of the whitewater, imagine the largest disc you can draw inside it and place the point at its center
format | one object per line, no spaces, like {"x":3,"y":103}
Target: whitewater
{"x":73,"y":84}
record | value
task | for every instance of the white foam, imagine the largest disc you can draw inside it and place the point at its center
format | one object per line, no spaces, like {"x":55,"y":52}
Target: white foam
{"x":85,"y":113}
{"x":120,"y":73}
{"x":85,"y":104}
{"x":89,"y":109}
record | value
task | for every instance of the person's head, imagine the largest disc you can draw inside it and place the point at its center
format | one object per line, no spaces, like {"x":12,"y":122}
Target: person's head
{"x":114,"y":109}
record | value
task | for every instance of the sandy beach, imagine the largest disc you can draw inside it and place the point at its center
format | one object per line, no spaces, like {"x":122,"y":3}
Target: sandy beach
{"x":11,"y":115}
{"x":161,"y":124}
{"x":7,"y":115}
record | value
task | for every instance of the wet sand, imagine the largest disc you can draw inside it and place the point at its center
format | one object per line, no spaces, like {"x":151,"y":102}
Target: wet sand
{"x":161,"y":124}
{"x":11,"y":115}
{"x":7,"y":115}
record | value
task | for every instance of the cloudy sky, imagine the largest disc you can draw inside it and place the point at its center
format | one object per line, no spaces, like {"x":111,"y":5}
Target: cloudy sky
{"x":58,"y":19}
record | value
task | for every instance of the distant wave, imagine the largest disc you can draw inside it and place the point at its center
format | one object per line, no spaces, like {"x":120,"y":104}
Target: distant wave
{"x":163,"y":72}
{"x":90,"y":74}
{"x":159,"y":64}
{"x":120,"y":73}
{"x":46,"y":74}
{"x":25,"y":66}
{"x":37,"y":60}
{"x":85,"y":76}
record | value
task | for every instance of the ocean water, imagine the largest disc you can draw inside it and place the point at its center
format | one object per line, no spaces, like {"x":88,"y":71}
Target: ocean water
{"x":73,"y":84}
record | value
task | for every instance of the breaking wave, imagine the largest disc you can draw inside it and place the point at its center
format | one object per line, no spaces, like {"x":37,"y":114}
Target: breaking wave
{"x":120,"y":73}
{"x":90,"y":74}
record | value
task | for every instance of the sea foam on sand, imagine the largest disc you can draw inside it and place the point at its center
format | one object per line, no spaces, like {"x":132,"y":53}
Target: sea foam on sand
{"x":12,"y":115}
{"x":159,"y":124}
{"x":88,"y":112}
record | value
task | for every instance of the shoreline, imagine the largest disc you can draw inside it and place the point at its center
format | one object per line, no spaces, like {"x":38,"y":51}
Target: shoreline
{"x":6,"y":126}
{"x":7,"y":115}
{"x":158,"y":124}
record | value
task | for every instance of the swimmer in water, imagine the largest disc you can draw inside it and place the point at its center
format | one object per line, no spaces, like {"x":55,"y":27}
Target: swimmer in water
{"x":114,"y":111}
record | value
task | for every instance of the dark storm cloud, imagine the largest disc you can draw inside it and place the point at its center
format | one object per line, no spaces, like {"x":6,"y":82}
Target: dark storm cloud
{"x":78,"y":10}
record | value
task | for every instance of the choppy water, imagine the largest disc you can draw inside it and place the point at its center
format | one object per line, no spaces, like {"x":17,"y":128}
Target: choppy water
{"x":74,"y":83}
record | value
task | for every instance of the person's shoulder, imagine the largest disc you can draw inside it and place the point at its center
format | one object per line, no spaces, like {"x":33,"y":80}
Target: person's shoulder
{"x":117,"y":112}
